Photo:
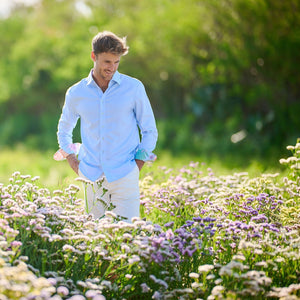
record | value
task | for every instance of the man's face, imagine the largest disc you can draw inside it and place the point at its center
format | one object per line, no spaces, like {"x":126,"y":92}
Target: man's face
{"x":105,"y":65}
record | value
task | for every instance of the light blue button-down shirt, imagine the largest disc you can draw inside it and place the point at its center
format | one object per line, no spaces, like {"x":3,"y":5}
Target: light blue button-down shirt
{"x":110,"y":124}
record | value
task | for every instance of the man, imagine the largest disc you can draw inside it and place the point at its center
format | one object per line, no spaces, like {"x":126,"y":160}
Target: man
{"x":114,"y":112}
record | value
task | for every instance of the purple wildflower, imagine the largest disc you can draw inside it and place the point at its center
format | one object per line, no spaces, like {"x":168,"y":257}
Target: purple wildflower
{"x":189,"y":251}
{"x":169,"y":224}
{"x":157,"y":257}
{"x":156,"y":242}
{"x":259,"y":218}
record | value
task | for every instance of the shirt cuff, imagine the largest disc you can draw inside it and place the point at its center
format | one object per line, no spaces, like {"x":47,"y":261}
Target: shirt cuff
{"x":61,"y":154}
{"x":145,"y":156}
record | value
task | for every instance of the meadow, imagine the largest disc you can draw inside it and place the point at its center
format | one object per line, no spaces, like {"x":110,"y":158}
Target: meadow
{"x":203,"y":234}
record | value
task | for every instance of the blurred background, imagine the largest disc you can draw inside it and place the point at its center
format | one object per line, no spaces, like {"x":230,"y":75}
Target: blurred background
{"x":222,"y":75}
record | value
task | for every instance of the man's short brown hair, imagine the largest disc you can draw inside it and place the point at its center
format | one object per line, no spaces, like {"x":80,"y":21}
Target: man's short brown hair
{"x":107,"y":41}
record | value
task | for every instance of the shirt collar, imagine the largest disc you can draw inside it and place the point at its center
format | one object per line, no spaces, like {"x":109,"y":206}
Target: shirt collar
{"x":90,"y":78}
{"x":116,"y":78}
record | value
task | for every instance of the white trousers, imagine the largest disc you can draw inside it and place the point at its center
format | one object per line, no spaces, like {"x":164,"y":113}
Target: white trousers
{"x":122,"y":196}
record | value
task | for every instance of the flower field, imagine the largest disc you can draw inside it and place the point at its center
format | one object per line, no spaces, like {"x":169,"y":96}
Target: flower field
{"x":200,"y":236}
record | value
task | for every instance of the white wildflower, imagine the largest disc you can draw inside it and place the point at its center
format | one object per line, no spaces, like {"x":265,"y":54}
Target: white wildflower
{"x":100,"y":236}
{"x":228,"y":269}
{"x":80,"y":237}
{"x":239,"y":257}
{"x":57,"y":192}
{"x":121,"y":256}
{"x":106,"y":283}
{"x":68,"y":248}
{"x":110,"y":214}
{"x":258,"y":251}
{"x":88,"y":232}
{"x":217,"y":290}
{"x":283,"y":161}
{"x":261,"y":264}
{"x":35,"y":178}
{"x":55,"y":237}
{"x":138,"y":223}
{"x":3,"y":244}
{"x":279,"y":259}
{"x":133,"y":259}
{"x":127,"y":236}
{"x":292,"y":233}
{"x":62,"y":291}
{"x":16,"y":174}
{"x":205,"y":268}
{"x":67,"y":231}
{"x":196,"y":285}
{"x":194,"y":275}
{"x":125,"y":248}
{"x":265,"y":281}
{"x":290,"y":147}
{"x":99,"y":297}
{"x":81,"y":283}
{"x":292,"y":159}
{"x":159,"y":281}
{"x":23,"y":258}
{"x":245,"y":245}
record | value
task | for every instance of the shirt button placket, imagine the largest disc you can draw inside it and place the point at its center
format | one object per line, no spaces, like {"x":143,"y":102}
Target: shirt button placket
{"x":102,"y":127}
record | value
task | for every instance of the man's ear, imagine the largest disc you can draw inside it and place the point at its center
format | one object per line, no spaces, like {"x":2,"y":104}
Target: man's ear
{"x":93,"y":56}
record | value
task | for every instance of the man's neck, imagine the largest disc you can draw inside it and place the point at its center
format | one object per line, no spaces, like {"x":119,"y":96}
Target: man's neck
{"x":103,"y":84}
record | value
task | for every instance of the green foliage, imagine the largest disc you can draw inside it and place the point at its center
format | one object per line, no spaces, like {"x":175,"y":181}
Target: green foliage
{"x":216,"y":67}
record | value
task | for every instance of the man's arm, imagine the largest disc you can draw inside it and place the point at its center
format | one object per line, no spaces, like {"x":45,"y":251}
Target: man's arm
{"x":66,"y":125}
{"x":139,"y":163}
{"x":73,"y":162}
{"x":146,"y":122}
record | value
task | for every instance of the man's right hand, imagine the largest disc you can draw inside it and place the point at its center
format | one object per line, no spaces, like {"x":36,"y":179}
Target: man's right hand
{"x":73,"y":162}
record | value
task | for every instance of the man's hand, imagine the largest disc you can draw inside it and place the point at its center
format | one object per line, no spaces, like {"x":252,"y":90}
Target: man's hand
{"x":73,"y":162}
{"x":139,"y":163}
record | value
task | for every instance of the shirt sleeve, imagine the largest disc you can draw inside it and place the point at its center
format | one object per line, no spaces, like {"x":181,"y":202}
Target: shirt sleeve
{"x":146,"y":122}
{"x":66,"y":124}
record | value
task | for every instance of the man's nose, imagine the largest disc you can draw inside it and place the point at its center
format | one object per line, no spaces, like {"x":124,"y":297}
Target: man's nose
{"x":111,"y":67}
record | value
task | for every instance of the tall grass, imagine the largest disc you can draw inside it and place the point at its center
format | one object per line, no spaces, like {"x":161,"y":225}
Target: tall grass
{"x":36,"y":163}
{"x":55,"y":174}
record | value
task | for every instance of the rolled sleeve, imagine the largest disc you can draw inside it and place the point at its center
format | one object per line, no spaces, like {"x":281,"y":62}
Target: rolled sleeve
{"x":142,"y":154}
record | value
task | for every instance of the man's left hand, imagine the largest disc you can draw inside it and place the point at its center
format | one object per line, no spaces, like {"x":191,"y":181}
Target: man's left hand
{"x":139,"y":163}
